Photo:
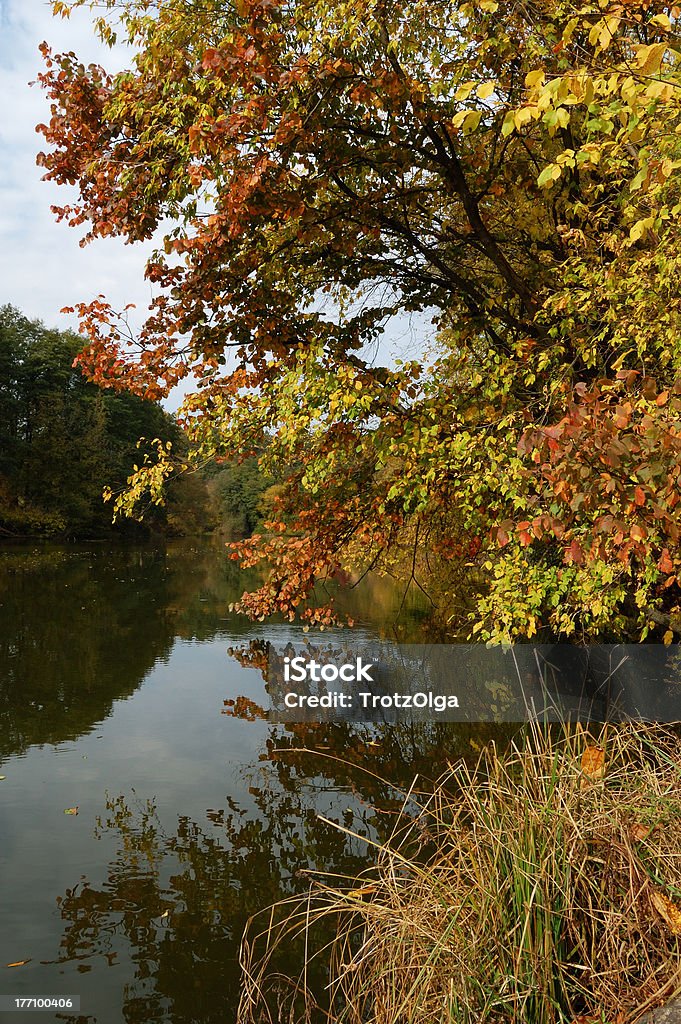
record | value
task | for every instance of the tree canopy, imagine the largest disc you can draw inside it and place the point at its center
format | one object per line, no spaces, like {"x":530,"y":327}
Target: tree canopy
{"x":510,"y":171}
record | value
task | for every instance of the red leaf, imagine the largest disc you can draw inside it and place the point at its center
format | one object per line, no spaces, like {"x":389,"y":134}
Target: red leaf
{"x":575,"y":553}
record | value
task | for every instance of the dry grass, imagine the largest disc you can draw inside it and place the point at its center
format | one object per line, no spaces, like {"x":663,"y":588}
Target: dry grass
{"x":539,"y":887}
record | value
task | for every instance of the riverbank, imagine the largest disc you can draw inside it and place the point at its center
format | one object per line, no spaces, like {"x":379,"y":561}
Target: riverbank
{"x":542,"y":886}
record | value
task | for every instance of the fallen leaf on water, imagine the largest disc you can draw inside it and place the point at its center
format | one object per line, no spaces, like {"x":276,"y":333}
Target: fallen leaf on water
{"x":593,"y":765}
{"x":2,"y":777}
{"x":70,"y":810}
{"x":19,"y":963}
{"x":668,"y":911}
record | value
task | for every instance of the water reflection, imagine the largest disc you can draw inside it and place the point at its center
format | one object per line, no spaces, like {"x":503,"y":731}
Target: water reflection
{"x":174,"y":904}
{"x":80,"y":628}
{"x":138,"y":903}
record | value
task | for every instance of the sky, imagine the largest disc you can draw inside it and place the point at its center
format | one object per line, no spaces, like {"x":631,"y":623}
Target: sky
{"x":42,"y":266}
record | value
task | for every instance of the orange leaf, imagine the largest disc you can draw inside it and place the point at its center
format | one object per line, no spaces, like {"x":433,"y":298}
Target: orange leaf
{"x":593,"y":763}
{"x":364,"y":890}
{"x":665,"y":564}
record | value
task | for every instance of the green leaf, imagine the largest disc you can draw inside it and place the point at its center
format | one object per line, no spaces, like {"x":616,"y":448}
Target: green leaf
{"x":549,"y":175}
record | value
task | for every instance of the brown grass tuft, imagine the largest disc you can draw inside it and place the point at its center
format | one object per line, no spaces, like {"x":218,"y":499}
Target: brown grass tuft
{"x":541,"y":886}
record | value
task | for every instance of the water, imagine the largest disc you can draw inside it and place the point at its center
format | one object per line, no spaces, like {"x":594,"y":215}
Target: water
{"x":114,"y":672}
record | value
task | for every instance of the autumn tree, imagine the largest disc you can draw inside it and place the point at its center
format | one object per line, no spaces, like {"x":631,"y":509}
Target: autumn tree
{"x":511,"y":171}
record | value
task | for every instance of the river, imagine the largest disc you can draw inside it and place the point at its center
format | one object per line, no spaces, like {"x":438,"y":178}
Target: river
{"x":141,"y":823}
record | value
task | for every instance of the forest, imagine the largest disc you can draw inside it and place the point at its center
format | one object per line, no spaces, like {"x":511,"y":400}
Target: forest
{"x":64,"y":441}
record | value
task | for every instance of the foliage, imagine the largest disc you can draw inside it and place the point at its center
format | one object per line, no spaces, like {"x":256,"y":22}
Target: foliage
{"x":541,"y":887}
{"x":511,"y":170}
{"x":242,"y":494}
{"x":62,"y":439}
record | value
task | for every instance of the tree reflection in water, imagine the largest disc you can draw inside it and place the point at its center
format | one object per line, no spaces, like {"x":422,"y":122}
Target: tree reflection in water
{"x":175,"y":903}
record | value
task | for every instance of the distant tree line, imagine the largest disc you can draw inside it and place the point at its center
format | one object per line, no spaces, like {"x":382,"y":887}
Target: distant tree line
{"x":64,"y":439}
{"x":242,"y":494}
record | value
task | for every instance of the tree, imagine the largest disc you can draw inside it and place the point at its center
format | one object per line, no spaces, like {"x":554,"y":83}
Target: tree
{"x":63,"y":439}
{"x":511,"y":170}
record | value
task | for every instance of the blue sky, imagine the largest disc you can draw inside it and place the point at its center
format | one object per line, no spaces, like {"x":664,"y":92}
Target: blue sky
{"x":42,"y":267}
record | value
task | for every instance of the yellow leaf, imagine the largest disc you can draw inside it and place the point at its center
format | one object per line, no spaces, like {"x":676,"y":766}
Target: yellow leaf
{"x":522,"y":116}
{"x":668,"y":166}
{"x":550,"y":174}
{"x":640,"y":228}
{"x":509,"y":123}
{"x":668,"y":911}
{"x":649,"y":58}
{"x":464,"y":91}
{"x":668,"y":638}
{"x":472,"y":121}
{"x":19,"y":963}
{"x":534,"y":78}
{"x":662,"y":20}
{"x":486,"y":89}
{"x":603,"y":32}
